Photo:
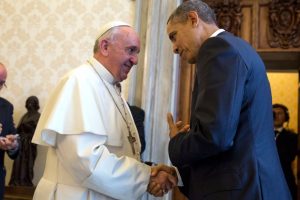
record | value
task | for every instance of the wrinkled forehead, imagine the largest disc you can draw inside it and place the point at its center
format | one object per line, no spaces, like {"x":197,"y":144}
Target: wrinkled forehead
{"x":127,"y":31}
{"x":129,"y":36}
{"x":170,"y":26}
{"x":174,"y":26}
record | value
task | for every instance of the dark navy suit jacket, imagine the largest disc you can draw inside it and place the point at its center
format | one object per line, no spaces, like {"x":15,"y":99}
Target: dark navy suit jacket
{"x":229,"y":152}
{"x":286,"y":143}
{"x":6,"y":119}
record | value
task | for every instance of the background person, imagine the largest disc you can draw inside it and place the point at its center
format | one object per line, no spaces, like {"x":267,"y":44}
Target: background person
{"x":138,"y":115}
{"x":286,"y":142}
{"x":8,"y":139}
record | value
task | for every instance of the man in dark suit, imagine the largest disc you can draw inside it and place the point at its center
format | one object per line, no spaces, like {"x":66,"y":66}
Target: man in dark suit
{"x":229,"y":152}
{"x":8,"y":139}
{"x":286,"y":142}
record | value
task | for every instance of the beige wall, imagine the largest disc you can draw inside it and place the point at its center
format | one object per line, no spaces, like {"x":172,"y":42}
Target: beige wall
{"x":40,"y":40}
{"x":284,"y":86}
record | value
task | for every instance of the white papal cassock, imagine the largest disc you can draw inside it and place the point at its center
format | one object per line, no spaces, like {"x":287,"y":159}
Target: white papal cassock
{"x":89,"y":155}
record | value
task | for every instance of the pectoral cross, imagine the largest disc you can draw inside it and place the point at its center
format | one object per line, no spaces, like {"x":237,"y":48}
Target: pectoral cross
{"x":131,"y":140}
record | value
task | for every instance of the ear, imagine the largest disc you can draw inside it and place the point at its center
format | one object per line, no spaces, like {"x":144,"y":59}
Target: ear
{"x":193,"y":18}
{"x":103,"y":46}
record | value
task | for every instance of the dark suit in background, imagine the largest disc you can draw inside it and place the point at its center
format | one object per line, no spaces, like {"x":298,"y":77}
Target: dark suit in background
{"x":138,"y":115}
{"x":286,"y":142}
{"x":6,"y":119}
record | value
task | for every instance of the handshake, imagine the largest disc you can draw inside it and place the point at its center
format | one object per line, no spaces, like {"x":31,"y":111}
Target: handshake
{"x":163,"y":178}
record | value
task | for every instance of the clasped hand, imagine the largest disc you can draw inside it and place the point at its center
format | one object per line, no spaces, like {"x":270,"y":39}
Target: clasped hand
{"x":9,"y":142}
{"x":163,"y":178}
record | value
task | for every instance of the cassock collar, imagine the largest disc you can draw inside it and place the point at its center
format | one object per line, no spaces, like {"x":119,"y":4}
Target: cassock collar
{"x":102,"y":71}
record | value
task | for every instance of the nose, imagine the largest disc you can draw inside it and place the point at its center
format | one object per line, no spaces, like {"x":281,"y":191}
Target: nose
{"x":134,"y":59}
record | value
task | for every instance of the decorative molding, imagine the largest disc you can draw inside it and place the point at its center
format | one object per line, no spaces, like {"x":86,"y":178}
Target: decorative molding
{"x":229,"y":15}
{"x":284,"y":23}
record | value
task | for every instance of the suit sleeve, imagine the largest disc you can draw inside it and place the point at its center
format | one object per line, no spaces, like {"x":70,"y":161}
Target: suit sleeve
{"x":185,"y":177}
{"x":217,"y":100}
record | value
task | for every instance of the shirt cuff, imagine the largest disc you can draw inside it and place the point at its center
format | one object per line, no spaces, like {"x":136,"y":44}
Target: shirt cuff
{"x":179,"y":183}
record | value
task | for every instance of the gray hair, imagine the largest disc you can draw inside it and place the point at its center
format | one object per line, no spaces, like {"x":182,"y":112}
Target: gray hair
{"x":108,"y":35}
{"x":204,"y":12}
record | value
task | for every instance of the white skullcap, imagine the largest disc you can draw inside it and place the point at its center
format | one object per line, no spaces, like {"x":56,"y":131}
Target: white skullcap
{"x":106,"y":27}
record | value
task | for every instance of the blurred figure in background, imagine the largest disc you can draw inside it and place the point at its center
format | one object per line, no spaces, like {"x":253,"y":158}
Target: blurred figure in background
{"x":8,"y":138}
{"x":138,"y":115}
{"x":286,"y":141}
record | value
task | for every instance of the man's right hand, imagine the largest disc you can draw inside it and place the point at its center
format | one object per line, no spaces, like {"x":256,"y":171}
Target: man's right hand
{"x":163,"y":178}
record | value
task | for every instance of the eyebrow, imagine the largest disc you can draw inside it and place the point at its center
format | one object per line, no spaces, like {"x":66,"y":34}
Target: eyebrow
{"x":134,"y":48}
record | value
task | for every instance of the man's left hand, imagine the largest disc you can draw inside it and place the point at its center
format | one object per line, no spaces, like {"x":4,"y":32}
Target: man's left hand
{"x":177,"y":127}
{"x":10,"y":142}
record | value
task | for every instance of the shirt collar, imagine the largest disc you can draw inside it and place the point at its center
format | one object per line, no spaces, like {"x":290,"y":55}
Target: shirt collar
{"x":102,"y":71}
{"x":217,"y":32}
{"x":278,"y":129}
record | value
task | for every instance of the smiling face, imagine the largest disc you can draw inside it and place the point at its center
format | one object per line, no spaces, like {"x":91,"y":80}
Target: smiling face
{"x":122,"y":52}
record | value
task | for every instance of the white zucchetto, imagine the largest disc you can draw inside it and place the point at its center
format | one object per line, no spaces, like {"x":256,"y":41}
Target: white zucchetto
{"x":106,"y":27}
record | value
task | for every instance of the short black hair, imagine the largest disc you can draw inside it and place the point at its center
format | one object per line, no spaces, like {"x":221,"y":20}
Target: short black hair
{"x":285,"y":109}
{"x":204,"y":12}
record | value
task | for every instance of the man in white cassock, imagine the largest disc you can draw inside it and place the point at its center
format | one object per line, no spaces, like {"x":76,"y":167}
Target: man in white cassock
{"x":93,"y":143}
